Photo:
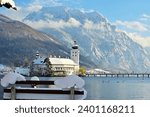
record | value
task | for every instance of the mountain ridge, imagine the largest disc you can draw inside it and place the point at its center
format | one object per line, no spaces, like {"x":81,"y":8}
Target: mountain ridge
{"x":19,"y":41}
{"x":98,"y":39}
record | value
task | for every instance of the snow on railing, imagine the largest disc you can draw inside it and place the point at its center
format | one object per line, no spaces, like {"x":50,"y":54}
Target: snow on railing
{"x":70,"y":81}
{"x":11,"y":78}
{"x":70,"y":87}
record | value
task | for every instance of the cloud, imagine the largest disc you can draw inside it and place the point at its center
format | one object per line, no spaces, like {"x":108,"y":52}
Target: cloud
{"x":46,"y":2}
{"x":73,"y":22}
{"x":54,"y":24}
{"x":143,"y":41}
{"x":34,"y":6}
{"x":15,"y":15}
{"x":145,"y":17}
{"x":134,"y":25}
{"x":89,"y":25}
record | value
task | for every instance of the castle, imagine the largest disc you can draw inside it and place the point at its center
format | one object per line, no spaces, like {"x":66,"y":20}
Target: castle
{"x":58,"y":66}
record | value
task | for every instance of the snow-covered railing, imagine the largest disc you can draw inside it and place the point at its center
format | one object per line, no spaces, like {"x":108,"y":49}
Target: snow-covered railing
{"x":68,"y":88}
{"x":10,"y":79}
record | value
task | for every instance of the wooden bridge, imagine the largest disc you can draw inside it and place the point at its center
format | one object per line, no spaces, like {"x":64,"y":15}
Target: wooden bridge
{"x":118,"y":75}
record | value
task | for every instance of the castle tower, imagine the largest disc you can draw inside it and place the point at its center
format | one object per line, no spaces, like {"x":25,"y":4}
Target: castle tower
{"x":75,"y":53}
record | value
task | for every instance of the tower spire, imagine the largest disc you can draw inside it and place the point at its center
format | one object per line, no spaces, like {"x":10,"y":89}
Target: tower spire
{"x":75,"y":53}
{"x":75,"y":46}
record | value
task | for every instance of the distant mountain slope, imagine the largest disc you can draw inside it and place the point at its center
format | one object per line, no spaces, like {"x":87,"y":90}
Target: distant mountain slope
{"x":98,"y":39}
{"x":19,"y":41}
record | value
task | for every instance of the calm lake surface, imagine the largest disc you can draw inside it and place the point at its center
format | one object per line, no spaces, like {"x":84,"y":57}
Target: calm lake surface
{"x":117,"y":88}
{"x":105,"y":88}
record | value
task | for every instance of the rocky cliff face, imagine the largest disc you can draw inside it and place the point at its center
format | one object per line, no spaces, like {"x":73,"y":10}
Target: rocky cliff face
{"x":98,"y":39}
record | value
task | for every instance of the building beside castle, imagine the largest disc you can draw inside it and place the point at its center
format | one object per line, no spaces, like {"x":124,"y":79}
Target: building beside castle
{"x":59,"y":66}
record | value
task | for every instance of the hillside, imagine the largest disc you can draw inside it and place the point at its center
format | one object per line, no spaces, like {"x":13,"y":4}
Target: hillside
{"x":19,"y":42}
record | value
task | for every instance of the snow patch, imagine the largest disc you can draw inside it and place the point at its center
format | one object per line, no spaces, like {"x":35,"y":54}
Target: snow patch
{"x":11,"y":78}
{"x":70,"y":81}
{"x":35,"y":78}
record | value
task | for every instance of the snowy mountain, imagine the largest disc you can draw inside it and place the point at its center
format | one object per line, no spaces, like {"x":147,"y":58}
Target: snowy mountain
{"x":148,"y":51}
{"x":98,"y":39}
{"x":19,"y":42}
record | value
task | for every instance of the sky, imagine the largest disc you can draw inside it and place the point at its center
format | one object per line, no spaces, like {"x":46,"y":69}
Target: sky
{"x":131,"y":16}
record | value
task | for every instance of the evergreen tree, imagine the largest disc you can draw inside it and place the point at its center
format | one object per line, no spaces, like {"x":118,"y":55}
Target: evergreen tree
{"x":49,"y":71}
{"x":26,"y":62}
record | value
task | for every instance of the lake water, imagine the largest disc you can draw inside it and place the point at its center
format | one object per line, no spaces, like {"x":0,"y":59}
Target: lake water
{"x":117,"y":88}
{"x":99,"y":88}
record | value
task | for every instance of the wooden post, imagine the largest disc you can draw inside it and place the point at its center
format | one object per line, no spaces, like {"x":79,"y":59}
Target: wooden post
{"x":13,"y":92}
{"x":72,"y":95}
